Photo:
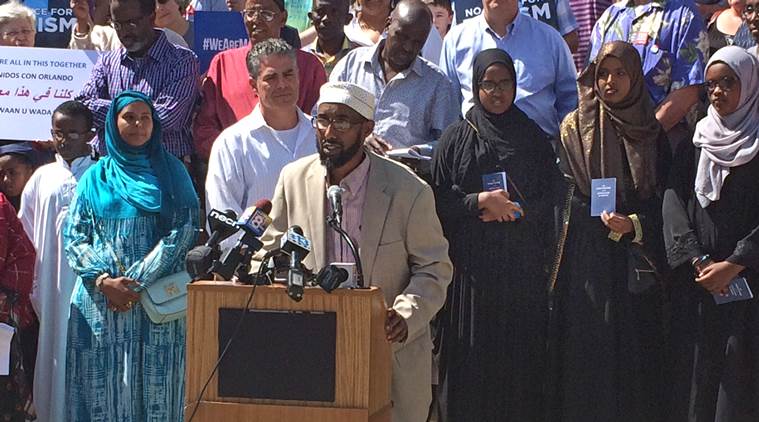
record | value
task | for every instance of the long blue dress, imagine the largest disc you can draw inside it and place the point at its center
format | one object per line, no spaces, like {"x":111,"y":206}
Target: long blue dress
{"x":121,"y":366}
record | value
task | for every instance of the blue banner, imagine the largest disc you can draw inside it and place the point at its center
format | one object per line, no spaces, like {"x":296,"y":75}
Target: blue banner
{"x":217,"y":31}
{"x":55,"y":19}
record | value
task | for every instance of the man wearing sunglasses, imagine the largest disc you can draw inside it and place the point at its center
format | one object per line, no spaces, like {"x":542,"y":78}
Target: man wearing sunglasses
{"x":226,"y":92}
{"x":148,"y":63}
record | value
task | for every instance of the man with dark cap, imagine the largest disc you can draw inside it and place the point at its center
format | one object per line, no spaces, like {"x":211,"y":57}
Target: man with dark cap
{"x":416,"y":101}
{"x":226,"y":92}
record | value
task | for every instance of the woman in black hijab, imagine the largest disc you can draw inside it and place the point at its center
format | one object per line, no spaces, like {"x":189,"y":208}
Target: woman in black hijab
{"x":494,"y":174}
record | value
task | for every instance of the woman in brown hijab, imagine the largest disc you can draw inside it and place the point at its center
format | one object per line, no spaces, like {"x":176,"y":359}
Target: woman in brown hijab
{"x":606,"y":329}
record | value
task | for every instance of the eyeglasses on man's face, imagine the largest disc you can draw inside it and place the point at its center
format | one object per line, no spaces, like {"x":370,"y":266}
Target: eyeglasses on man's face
{"x":256,"y":14}
{"x":340,"y":124}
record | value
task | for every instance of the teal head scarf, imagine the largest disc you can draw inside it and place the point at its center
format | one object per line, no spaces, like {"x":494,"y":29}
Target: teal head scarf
{"x":130,"y":180}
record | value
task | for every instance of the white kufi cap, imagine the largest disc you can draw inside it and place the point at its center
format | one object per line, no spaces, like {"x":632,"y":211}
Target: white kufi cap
{"x":355,"y":97}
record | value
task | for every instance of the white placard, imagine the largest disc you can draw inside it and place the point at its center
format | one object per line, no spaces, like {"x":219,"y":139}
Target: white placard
{"x":33,"y":82}
{"x":6,"y":335}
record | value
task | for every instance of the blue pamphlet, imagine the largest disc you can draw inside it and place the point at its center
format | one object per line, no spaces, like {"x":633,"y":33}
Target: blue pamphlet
{"x":603,"y":196}
{"x":737,"y":290}
{"x":494,"y":181}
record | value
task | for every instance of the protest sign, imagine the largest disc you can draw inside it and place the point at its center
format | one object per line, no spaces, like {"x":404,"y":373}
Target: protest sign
{"x":217,"y":31}
{"x":54,"y":22}
{"x":33,"y":82}
{"x":542,"y":10}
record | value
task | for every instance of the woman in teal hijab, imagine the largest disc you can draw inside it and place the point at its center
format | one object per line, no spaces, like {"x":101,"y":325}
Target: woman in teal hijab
{"x":133,"y":220}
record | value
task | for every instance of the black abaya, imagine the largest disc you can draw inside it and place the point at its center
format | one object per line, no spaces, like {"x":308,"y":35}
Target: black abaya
{"x":714,"y":349}
{"x":492,"y":330}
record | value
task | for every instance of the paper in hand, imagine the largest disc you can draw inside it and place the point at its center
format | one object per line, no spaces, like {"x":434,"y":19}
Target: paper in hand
{"x":494,"y":181}
{"x":6,"y":335}
{"x":736,"y":291}
{"x":603,"y":196}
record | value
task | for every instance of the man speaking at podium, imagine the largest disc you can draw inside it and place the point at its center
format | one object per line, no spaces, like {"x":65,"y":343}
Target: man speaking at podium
{"x":389,"y":213}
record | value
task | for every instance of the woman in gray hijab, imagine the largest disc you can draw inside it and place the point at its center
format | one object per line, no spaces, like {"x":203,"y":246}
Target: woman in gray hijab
{"x":711,"y":231}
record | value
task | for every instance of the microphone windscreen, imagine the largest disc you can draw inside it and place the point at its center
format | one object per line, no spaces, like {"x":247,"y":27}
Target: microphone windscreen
{"x":264,"y":205}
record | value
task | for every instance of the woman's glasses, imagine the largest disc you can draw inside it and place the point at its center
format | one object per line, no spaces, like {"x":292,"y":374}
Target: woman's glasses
{"x":502,"y":86}
{"x":725,"y":84}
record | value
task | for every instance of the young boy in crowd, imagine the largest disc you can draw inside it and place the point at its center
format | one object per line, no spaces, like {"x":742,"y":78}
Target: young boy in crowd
{"x":17,"y":163}
{"x":442,"y":15}
{"x":44,"y":203}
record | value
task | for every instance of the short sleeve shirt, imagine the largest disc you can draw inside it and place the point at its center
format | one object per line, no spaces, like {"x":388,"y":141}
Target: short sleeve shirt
{"x":669,"y":36}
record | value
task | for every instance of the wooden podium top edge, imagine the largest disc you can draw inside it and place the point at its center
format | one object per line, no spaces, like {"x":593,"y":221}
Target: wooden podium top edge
{"x":226,"y":285}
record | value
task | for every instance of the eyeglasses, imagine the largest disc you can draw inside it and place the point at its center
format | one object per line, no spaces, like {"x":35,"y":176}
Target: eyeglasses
{"x":131,"y":24}
{"x":15,"y":34}
{"x":72,"y":136}
{"x":748,"y":11}
{"x":255,"y":14}
{"x":340,"y":124}
{"x":725,"y":84}
{"x":490,"y":86}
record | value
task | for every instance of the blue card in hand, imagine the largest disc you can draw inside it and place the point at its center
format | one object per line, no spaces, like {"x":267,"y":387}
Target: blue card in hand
{"x":494,"y":181}
{"x":737,"y":290}
{"x":603,"y":196}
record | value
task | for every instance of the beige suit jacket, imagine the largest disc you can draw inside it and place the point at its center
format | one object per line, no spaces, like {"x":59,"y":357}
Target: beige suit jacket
{"x":402,"y":249}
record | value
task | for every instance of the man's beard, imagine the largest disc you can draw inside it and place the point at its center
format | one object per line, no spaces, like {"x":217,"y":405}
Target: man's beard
{"x":339,"y":160}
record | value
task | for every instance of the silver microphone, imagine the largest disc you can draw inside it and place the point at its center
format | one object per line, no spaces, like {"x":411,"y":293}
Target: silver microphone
{"x":335,"y":196}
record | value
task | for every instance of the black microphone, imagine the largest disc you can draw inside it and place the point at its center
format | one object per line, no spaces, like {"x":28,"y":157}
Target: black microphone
{"x":222,"y":226}
{"x":297,"y":246}
{"x":335,"y":196}
{"x":200,"y":259}
{"x":253,"y":223}
{"x":331,"y":277}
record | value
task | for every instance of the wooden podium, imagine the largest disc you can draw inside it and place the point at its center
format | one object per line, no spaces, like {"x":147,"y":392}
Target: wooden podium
{"x":362,"y":363}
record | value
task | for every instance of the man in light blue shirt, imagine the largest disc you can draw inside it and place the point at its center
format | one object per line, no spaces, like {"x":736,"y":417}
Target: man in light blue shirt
{"x":415,"y":100}
{"x":546,"y":74}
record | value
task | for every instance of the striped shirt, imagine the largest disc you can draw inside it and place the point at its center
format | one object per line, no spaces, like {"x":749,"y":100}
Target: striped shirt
{"x":168,"y":74}
{"x":586,"y":13}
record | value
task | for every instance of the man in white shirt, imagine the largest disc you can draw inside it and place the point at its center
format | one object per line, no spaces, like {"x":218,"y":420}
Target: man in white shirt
{"x":44,"y":204}
{"x":247,"y":157}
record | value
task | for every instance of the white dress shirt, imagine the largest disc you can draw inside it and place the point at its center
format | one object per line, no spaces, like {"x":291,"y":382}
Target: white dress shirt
{"x":246,"y":160}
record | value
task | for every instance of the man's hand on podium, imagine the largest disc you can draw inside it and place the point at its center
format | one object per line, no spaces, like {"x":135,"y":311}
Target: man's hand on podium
{"x":396,"y":328}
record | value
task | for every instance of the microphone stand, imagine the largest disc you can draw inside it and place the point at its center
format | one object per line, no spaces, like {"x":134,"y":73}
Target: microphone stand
{"x":332,"y":221}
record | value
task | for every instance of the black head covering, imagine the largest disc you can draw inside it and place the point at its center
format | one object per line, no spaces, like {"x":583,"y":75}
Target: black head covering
{"x":497,"y":130}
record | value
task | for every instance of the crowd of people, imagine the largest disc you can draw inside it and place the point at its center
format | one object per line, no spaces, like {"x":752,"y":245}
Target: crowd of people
{"x":469,"y":153}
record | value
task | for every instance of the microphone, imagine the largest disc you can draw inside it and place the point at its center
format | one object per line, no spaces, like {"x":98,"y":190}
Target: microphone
{"x":297,"y":246}
{"x":256,"y":219}
{"x":335,"y":196}
{"x":331,"y":277}
{"x":253,"y":223}
{"x":222,"y":226}
{"x":200,"y":259}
